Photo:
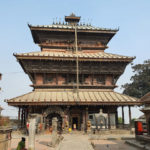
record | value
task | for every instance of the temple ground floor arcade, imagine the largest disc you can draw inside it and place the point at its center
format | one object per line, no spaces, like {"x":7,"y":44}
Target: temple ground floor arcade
{"x":76,"y":117}
{"x":95,"y":107}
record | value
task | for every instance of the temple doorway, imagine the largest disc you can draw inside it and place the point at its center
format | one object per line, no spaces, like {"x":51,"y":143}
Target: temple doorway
{"x":49,"y":121}
{"x":75,"y":122}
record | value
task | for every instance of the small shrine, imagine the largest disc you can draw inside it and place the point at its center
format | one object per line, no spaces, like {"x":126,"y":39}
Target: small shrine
{"x":146,"y":110}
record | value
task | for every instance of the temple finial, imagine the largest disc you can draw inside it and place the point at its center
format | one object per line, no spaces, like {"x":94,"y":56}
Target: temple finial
{"x":72,"y":19}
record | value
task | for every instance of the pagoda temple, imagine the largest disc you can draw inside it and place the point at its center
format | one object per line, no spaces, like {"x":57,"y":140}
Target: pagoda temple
{"x":72,"y":75}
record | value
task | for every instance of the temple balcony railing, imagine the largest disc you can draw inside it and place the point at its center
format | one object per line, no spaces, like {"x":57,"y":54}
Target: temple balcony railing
{"x":74,"y":86}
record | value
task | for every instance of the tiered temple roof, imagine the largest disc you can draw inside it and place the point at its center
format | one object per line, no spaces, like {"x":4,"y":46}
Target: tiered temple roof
{"x":54,"y":40}
{"x":79,"y":27}
{"x":64,"y":55}
{"x":69,"y":97}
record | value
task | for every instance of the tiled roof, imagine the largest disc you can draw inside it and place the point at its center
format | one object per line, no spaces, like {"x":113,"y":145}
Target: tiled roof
{"x":79,"y":27}
{"x":63,"y":96}
{"x":52,"y":54}
{"x":146,"y":98}
{"x":145,"y":109}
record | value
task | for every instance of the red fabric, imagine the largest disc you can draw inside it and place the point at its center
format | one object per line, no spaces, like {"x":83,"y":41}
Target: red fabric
{"x":140,"y":128}
{"x":40,"y":126}
{"x":27,"y":125}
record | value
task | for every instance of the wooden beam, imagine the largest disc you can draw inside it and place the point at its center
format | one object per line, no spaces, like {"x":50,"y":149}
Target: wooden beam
{"x":19,"y":114}
{"x":130,"y":115}
{"x":116,"y":118}
{"x":24,"y":103}
{"x":123,"y":116}
{"x":22,"y":118}
{"x":109,"y":125}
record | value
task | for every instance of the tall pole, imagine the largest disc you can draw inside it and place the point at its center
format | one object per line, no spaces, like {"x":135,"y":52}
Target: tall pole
{"x":77,"y":63}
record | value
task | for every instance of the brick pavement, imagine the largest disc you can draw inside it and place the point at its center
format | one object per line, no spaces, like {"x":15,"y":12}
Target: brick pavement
{"x":41,"y":142}
{"x":75,"y":142}
{"x":112,"y":145}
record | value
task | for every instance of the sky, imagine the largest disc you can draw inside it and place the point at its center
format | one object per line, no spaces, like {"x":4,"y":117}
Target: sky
{"x":131,"y":17}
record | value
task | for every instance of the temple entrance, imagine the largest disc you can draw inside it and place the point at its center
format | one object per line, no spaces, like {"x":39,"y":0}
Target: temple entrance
{"x":75,"y":123}
{"x":49,"y":121}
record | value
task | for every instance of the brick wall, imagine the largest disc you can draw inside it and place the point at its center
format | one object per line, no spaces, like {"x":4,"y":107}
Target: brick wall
{"x":108,"y":80}
{"x":39,"y":79}
{"x":61,"y":80}
{"x":88,"y":80}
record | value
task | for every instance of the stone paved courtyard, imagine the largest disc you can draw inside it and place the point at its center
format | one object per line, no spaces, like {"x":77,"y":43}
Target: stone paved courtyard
{"x":41,"y":141}
{"x":112,"y":145}
{"x":75,"y":141}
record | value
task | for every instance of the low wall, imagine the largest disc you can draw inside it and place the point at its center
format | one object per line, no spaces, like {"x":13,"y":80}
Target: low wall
{"x":5,"y":138}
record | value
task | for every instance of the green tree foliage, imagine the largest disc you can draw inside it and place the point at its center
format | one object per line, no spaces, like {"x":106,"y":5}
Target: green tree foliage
{"x":119,"y":120}
{"x":140,"y":81}
{"x":132,"y":121}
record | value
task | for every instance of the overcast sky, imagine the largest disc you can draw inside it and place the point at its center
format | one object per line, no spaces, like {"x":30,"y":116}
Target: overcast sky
{"x":132,"y":18}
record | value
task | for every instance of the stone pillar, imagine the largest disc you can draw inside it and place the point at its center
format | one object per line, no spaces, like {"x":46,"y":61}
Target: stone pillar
{"x":54,"y":132}
{"x":130,"y":116}
{"x":32,"y":128}
{"x":123,"y":116}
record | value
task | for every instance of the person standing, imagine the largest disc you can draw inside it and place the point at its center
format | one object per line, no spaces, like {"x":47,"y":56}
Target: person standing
{"x":21,"y":144}
{"x":27,"y":127}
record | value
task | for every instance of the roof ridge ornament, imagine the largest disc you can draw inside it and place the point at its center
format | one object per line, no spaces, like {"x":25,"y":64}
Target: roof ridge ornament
{"x":60,"y":21}
{"x":72,"y":19}
{"x":72,"y":15}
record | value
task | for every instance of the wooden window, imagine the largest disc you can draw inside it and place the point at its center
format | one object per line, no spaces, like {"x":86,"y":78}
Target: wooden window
{"x":65,"y":78}
{"x":100,"y":79}
{"x":71,"y":79}
{"x":49,"y":78}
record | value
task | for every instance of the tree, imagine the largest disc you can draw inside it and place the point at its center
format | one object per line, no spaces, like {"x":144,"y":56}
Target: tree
{"x":140,"y":84}
{"x":132,"y":121}
{"x":119,"y":120}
